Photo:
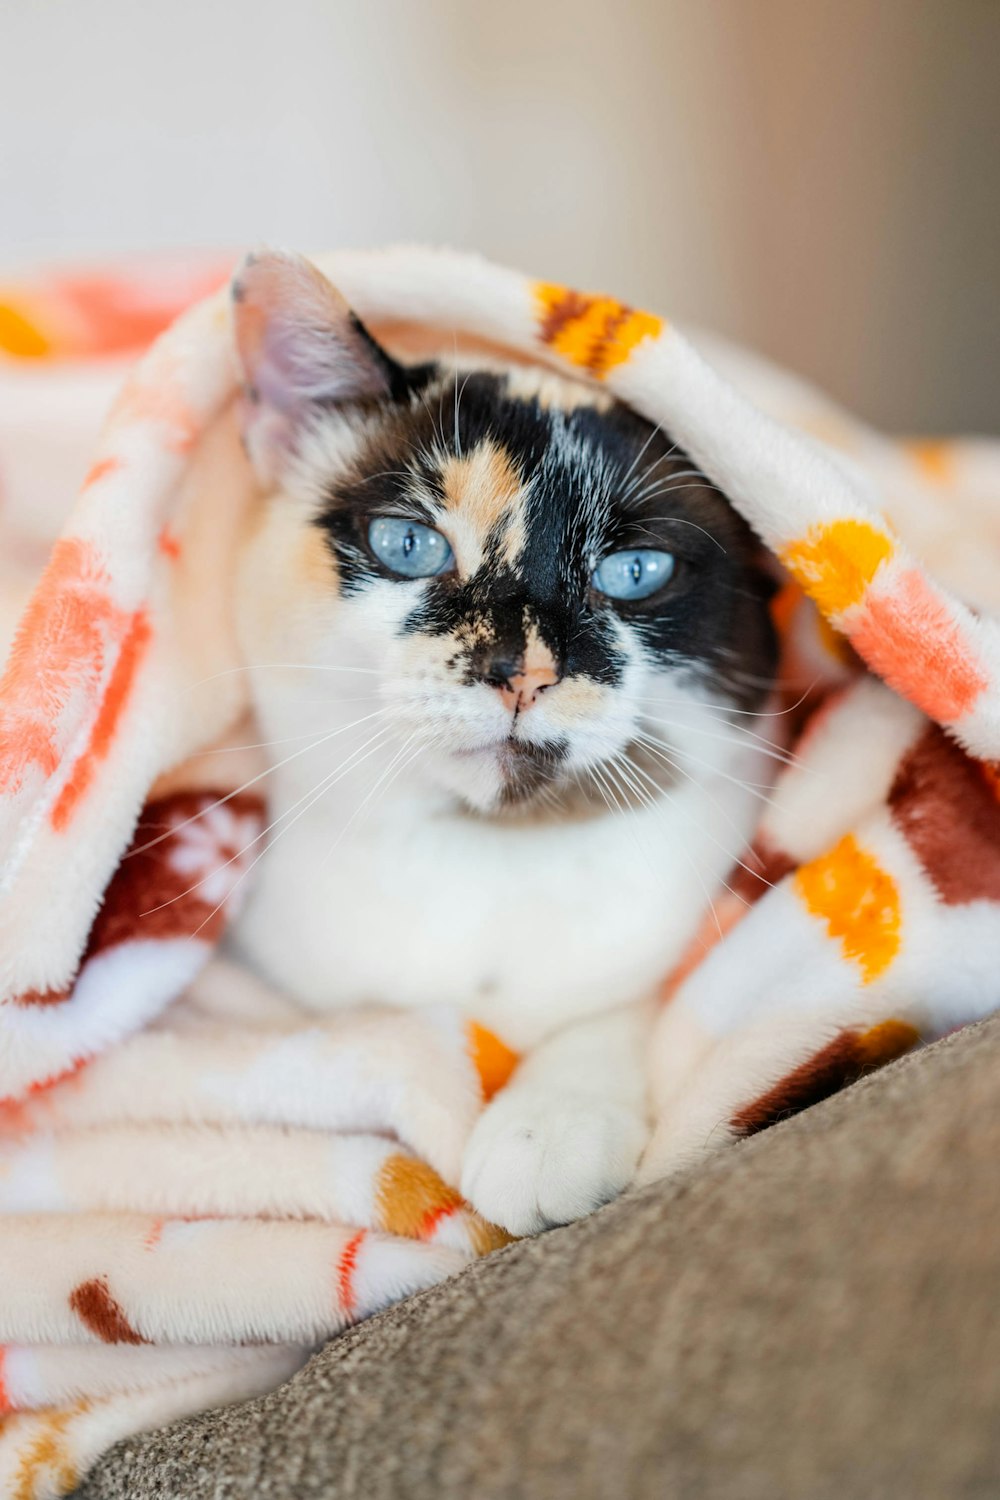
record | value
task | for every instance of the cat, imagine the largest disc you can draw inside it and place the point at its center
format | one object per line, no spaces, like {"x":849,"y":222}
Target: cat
{"x":506,"y":643}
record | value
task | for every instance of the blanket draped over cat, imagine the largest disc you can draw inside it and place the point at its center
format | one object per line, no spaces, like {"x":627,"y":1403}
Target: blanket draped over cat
{"x":200,"y":1182}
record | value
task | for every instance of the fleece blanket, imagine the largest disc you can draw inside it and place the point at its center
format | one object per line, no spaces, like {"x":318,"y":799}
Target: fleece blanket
{"x":197,"y":1184}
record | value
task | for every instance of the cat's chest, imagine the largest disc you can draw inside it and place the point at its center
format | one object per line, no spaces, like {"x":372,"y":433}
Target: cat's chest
{"x":524,"y":927}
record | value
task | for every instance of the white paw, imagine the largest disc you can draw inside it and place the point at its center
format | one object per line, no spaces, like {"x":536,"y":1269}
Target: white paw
{"x":534,"y":1162}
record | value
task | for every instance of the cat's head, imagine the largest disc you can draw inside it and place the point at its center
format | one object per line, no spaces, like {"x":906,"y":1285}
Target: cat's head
{"x":536,"y":583}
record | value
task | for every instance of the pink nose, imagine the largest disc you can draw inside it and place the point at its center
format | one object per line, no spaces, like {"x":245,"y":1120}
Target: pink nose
{"x":522,"y":689}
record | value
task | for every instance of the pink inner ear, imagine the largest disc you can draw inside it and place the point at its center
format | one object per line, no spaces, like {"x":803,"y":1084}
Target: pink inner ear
{"x":300,"y":346}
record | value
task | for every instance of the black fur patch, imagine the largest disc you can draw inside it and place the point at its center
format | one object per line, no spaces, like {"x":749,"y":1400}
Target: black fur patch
{"x":599,"y":481}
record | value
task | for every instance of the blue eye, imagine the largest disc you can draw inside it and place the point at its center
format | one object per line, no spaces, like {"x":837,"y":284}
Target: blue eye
{"x":633,"y":575}
{"x":407,"y":548}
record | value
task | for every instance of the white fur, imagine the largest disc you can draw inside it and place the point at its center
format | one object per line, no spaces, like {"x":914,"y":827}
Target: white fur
{"x":417,"y":894}
{"x":412,"y":899}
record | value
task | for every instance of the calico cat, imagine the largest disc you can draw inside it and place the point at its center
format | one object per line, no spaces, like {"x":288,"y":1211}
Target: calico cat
{"x":507,"y":644}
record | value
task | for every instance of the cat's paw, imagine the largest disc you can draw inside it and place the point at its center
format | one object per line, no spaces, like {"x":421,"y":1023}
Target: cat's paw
{"x":532,"y":1163}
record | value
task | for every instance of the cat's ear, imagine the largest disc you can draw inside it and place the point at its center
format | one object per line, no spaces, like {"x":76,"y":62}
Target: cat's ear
{"x":301,"y":348}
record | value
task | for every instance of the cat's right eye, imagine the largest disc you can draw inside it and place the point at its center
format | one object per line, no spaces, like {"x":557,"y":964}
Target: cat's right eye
{"x":409,"y":549}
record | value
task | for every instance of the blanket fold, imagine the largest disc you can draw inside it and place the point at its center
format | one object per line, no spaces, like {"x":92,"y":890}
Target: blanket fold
{"x":198,"y":1184}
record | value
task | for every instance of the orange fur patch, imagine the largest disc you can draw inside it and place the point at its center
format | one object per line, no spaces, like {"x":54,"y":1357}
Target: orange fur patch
{"x":485,"y":485}
{"x":859,"y":902}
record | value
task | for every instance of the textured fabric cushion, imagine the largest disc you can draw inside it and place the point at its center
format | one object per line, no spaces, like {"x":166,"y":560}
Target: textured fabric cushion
{"x":815,"y":1315}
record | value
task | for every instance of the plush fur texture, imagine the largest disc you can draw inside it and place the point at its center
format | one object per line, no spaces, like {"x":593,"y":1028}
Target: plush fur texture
{"x":163,"y":653}
{"x":532,"y":790}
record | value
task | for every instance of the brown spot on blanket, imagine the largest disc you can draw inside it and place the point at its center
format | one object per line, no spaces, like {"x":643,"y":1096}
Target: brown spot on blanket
{"x":152,"y":897}
{"x":840,"y":1062}
{"x":44,"y":997}
{"x":153,"y":894}
{"x":101,"y":1314}
{"x":946,"y":806}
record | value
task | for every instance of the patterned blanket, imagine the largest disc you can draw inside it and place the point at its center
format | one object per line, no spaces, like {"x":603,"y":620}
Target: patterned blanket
{"x":198,"y":1185}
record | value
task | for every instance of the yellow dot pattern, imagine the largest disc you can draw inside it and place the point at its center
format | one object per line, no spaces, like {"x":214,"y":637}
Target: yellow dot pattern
{"x":885,"y":1042}
{"x":593,"y":332}
{"x":858,"y":901}
{"x":836,"y":562}
{"x":19,"y":336}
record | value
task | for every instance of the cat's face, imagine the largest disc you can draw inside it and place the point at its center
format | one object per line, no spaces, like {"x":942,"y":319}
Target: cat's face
{"x":536,"y":577}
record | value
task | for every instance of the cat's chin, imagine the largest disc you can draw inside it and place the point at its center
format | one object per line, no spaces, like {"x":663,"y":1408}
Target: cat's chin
{"x":503,"y":776}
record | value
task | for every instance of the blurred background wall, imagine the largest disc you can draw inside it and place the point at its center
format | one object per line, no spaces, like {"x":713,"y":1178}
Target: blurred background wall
{"x":819,"y":178}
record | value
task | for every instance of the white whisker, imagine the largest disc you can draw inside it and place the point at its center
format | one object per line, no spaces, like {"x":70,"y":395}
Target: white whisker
{"x":392,"y":770}
{"x":715,"y":803}
{"x":680,"y":521}
{"x":666,"y":751}
{"x":638,"y":459}
{"x":740,"y":736}
{"x":344,"y":766}
{"x":663,"y":793}
{"x":268,"y":770}
{"x":371,"y":745}
{"x":646,"y":476}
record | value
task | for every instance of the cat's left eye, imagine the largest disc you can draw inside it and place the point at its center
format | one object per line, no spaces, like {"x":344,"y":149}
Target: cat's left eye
{"x":633,"y":575}
{"x":409,"y":549}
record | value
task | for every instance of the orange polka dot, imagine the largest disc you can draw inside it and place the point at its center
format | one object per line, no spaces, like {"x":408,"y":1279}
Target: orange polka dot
{"x":168,"y":544}
{"x":836,"y":562}
{"x":100,"y":470}
{"x":20,"y":336}
{"x":934,"y":458}
{"x":492,"y":1059}
{"x":912,"y":639}
{"x":884,"y":1043}
{"x":859,"y":902}
{"x":596,"y":333}
{"x":410,"y":1197}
